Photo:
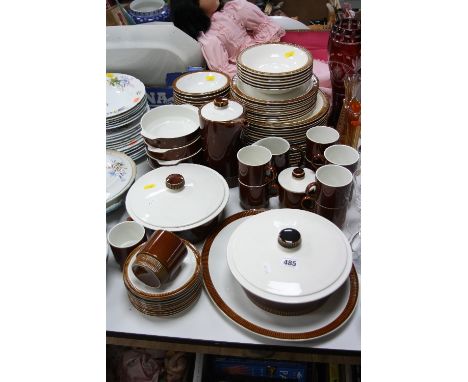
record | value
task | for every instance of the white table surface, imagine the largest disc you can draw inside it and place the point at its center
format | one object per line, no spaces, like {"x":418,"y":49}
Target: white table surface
{"x":203,"y":321}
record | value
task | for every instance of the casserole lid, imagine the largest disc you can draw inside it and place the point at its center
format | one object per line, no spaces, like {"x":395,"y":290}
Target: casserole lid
{"x":173,"y":197}
{"x":295,"y":179}
{"x":221,"y":110}
{"x":289,"y":256}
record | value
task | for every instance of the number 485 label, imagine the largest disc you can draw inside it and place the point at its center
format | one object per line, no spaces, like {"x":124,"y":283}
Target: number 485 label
{"x":292,"y":263}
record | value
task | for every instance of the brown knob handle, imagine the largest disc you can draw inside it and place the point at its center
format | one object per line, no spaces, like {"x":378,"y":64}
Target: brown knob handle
{"x":175,"y":181}
{"x":298,"y":173}
{"x":289,"y":238}
{"x":221,"y":102}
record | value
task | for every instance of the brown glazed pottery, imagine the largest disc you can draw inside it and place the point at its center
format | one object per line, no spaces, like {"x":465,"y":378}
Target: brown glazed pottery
{"x":194,"y":158}
{"x":281,"y":151}
{"x":319,"y":138}
{"x":171,"y":143}
{"x":255,"y":167}
{"x":343,"y":155}
{"x":335,"y":215}
{"x":292,"y":185}
{"x":175,"y":153}
{"x":332,"y":188}
{"x":123,"y":238}
{"x":254,"y":197}
{"x":159,"y":258}
{"x":221,"y":123}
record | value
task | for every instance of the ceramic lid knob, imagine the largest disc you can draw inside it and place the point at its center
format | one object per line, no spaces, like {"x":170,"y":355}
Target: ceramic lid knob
{"x":175,"y":181}
{"x":289,"y":238}
{"x":298,"y":173}
{"x":221,"y":102}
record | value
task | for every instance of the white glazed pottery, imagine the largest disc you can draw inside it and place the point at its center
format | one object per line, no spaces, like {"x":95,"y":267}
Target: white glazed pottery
{"x":120,"y":174}
{"x":202,"y":198}
{"x":199,"y":83}
{"x":318,"y":265}
{"x":232,"y":111}
{"x":123,"y":92}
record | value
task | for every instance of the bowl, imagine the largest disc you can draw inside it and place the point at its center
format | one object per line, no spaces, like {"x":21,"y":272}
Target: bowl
{"x":177,"y":153}
{"x":289,"y":261}
{"x":146,"y":7}
{"x":200,"y":83}
{"x":170,"y":126}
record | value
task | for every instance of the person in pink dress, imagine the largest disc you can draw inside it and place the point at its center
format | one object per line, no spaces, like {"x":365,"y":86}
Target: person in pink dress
{"x":224,"y":28}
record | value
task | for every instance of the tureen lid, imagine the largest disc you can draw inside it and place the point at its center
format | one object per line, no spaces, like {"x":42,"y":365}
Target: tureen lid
{"x":177,"y":197}
{"x":296,"y":179}
{"x":289,"y":256}
{"x":222,"y":109}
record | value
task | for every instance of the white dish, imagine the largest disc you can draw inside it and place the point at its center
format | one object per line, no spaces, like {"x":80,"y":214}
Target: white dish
{"x":275,"y":58}
{"x":153,"y":205}
{"x":170,"y":121}
{"x":229,"y":297}
{"x":200,"y":82}
{"x":123,"y":92}
{"x":128,"y":122}
{"x":120,"y":174}
{"x":322,"y":261}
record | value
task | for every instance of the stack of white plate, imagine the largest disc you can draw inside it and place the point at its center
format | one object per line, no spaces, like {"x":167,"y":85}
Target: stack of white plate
{"x":126,"y":103}
{"x":120,"y":175}
{"x":275,"y":67}
{"x":171,"y":298}
{"x":199,"y":88}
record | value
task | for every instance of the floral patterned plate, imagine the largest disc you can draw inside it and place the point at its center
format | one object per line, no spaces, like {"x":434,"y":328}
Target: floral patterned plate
{"x":123,"y":92}
{"x":120,"y":175}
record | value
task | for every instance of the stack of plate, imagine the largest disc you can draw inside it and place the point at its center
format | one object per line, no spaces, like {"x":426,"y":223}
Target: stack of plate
{"x":279,"y":107}
{"x":172,"y":297}
{"x":126,"y":103}
{"x":199,"y":88}
{"x":275,"y":68}
{"x":293,"y":130}
{"x":120,"y":175}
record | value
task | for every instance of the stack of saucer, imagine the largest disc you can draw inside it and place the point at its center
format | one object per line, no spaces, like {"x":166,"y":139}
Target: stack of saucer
{"x":126,"y":103}
{"x":199,"y":88}
{"x":294,"y":130}
{"x":275,"y":68}
{"x":171,"y":298}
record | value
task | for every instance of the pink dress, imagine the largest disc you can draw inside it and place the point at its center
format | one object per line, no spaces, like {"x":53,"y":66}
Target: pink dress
{"x":238,"y":25}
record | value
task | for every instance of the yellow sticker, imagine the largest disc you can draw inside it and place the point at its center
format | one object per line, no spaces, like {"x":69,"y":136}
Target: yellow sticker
{"x":110,"y":75}
{"x":210,"y":77}
{"x":289,"y":54}
{"x":148,"y":186}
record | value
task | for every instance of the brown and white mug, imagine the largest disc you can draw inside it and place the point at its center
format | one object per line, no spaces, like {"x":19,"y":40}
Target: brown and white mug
{"x":254,"y":197}
{"x":292,"y":183}
{"x":343,"y":155}
{"x":335,"y":215}
{"x":318,"y":139}
{"x":123,"y":238}
{"x":332,"y":187}
{"x":159,"y":258}
{"x":255,"y":168}
{"x":281,"y":151}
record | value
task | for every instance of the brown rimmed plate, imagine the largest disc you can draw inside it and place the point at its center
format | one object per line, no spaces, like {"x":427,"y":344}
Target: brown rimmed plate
{"x":195,"y":75}
{"x":271,"y":81}
{"x":229,"y":297}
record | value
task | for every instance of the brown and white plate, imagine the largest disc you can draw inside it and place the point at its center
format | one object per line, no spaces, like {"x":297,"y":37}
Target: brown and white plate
{"x":230,"y":299}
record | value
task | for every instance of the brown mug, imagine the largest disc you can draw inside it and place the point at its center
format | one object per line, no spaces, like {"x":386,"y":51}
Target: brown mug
{"x":281,"y":151}
{"x":255,"y":167}
{"x":221,"y":123}
{"x":332,"y":187}
{"x":159,"y":258}
{"x":319,"y":138}
{"x":342,"y":155}
{"x":292,"y":183}
{"x":123,"y":238}
{"x":335,"y":215}
{"x":254,"y":197}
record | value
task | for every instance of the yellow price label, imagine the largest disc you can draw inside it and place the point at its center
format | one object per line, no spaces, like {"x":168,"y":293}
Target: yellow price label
{"x":289,"y":54}
{"x":148,"y":186}
{"x":210,"y":77}
{"x":110,"y":75}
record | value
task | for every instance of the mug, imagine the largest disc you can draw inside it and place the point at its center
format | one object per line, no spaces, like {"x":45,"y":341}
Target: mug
{"x":255,"y":167}
{"x":159,"y":258}
{"x":319,"y":138}
{"x":281,"y":151}
{"x":123,"y":238}
{"x":335,"y":215}
{"x":342,"y":155}
{"x":253,"y":197}
{"x":332,"y":187}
